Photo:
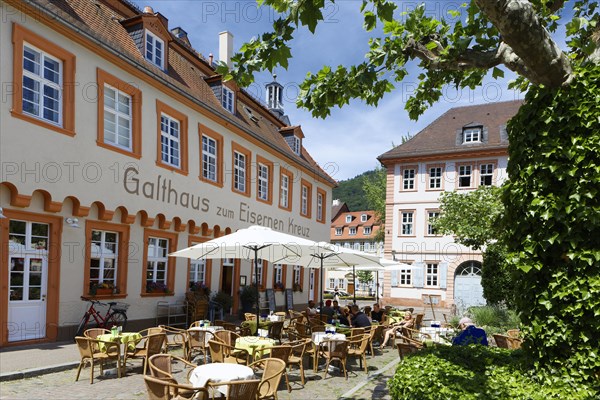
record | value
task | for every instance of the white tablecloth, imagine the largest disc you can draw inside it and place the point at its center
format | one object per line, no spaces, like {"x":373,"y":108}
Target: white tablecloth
{"x":211,"y":329}
{"x":219,"y":372}
{"x":318,"y":337}
{"x":435,"y":333}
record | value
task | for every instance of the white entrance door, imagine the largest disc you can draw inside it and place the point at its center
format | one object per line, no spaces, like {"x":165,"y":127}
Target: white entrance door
{"x":28,"y":266}
{"x":311,"y":284}
{"x":467,"y":286}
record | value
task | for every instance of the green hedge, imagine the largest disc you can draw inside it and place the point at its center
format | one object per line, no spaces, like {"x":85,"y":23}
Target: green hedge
{"x":474,"y":372}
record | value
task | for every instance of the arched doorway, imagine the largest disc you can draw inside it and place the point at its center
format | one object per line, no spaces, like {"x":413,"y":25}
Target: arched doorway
{"x":467,"y":285}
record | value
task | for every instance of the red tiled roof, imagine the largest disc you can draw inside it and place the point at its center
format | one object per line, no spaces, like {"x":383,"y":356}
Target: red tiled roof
{"x":440,"y":137}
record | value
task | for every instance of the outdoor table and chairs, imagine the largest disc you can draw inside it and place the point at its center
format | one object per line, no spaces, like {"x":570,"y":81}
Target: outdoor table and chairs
{"x":212,"y":329}
{"x":436,"y":335}
{"x":219,"y":372}
{"x":320,"y":340}
{"x":125,"y":338}
{"x":254,"y":345}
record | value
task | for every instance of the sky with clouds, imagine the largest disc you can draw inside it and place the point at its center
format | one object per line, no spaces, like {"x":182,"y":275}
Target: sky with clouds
{"x":348,"y":142}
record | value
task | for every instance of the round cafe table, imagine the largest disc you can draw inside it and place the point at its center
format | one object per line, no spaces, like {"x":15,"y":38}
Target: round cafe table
{"x":211,"y":329}
{"x":254,"y":345}
{"x":219,"y":372}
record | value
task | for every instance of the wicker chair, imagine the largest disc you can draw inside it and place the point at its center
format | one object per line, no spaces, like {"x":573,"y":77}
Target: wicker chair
{"x":275,"y":330}
{"x":176,"y":338}
{"x":303,"y":330}
{"x":282,"y":352}
{"x":198,"y":342}
{"x":93,"y":333}
{"x":514,"y":333}
{"x":239,"y":390}
{"x":405,"y":349}
{"x":89,"y":352}
{"x":218,"y":322}
{"x":223,"y":353}
{"x":507,"y":342}
{"x":297,"y":357}
{"x":227,"y":337}
{"x":161,"y":367}
{"x":159,"y":389}
{"x":419,"y":320}
{"x":249,"y":316}
{"x":333,"y":350}
{"x":244,"y":330}
{"x":357,"y":347}
{"x":355,"y":332}
{"x":153,"y":344}
{"x":272,"y":370}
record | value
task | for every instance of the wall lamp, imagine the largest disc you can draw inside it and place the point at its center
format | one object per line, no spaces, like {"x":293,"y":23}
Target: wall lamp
{"x":2,"y":213}
{"x":72,"y":222}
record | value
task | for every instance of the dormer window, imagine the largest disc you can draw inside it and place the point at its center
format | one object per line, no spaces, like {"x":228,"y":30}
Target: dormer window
{"x":338,"y":231}
{"x":472,"y":135}
{"x":348,"y":218}
{"x":227,"y":99}
{"x":155,"y":50}
{"x":363,"y":218}
{"x":296,"y":146}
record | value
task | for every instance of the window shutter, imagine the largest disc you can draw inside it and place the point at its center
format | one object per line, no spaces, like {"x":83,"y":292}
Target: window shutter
{"x":443,"y":269}
{"x":395,"y":275}
{"x":418,"y":274}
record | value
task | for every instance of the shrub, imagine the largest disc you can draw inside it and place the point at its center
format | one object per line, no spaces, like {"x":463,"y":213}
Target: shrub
{"x":474,"y":372}
{"x":494,"y":319}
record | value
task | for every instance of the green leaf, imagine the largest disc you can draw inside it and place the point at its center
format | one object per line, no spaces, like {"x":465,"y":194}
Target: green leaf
{"x":497,"y":73}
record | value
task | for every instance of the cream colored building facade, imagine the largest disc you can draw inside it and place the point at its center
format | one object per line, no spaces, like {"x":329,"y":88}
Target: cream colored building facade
{"x":114,"y":155}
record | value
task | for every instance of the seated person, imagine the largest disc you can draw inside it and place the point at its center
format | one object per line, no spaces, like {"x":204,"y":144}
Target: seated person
{"x":377,"y":313}
{"x":359,"y":318}
{"x":407,"y":322}
{"x":336,"y":307}
{"x":345,"y":317}
{"x":470,"y":334}
{"x":328,"y":310}
{"x":311,"y":310}
{"x":367,"y":311}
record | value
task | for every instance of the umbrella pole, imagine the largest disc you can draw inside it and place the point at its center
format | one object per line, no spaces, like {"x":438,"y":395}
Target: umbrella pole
{"x":257,"y":292}
{"x":377,"y":287}
{"x":321,"y":290}
{"x":354,"y":281}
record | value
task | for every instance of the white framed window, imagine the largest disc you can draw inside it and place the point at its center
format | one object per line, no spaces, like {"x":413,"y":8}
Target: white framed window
{"x":209,"y":158}
{"x":304,"y":208}
{"x":431,"y":216}
{"x":42,"y":85}
{"x":348,"y":218}
{"x":319,"y":206}
{"x":227,"y":99}
{"x":296,"y":145}
{"x":259,"y":273}
{"x":278,"y":273}
{"x":263,"y":182}
{"x":155,"y":50}
{"x":435,"y":178}
{"x":103,"y":257}
{"x":431,"y":275}
{"x":407,"y":228}
{"x":169,"y":140}
{"x":362,"y":246}
{"x":331,"y":283}
{"x":472,"y":135}
{"x":239,"y":171}
{"x":486,"y":174}
{"x":339,"y":231}
{"x":356,"y":246}
{"x":367,"y":246}
{"x":405,"y":277}
{"x":198,"y":271}
{"x":284,"y":192}
{"x":341,"y":283}
{"x":352,"y":230}
{"x":117,"y":117}
{"x":347,"y":245}
{"x":366,"y":230}
{"x":464,"y":176}
{"x":156,"y":268}
{"x":408,"y":179}
{"x":364,"y":217}
{"x":297,"y":274}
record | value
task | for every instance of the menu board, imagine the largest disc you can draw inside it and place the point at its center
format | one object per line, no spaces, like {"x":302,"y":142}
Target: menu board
{"x":271,"y":299}
{"x":289,"y":297}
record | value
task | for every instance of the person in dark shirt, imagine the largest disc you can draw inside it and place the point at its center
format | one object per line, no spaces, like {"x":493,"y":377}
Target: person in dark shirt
{"x":359,"y":319}
{"x":377,"y":313}
{"x":470,"y":334}
{"x":328,"y":310}
{"x":344,"y":316}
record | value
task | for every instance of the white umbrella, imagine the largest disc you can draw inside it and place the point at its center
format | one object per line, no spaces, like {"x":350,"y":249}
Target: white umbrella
{"x":253,"y":243}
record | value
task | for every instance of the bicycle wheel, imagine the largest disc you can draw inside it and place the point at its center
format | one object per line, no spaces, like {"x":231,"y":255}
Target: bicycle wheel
{"x":83,"y":324}
{"x":117,"y":318}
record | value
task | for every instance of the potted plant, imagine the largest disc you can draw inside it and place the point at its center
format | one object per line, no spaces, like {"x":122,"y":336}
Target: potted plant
{"x":101,"y":288}
{"x":297,"y":287}
{"x":156,"y":287}
{"x":224,"y":299}
{"x":278,"y":286}
{"x":248,"y":297}
{"x":199,"y":289}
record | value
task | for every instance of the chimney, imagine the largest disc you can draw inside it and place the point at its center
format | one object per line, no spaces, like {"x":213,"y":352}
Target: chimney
{"x":226,"y":47}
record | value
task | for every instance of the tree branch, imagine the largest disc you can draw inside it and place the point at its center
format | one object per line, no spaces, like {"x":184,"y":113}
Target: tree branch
{"x":520,"y":28}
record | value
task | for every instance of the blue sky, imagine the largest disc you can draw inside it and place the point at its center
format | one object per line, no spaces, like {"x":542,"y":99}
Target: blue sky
{"x":348,"y":142}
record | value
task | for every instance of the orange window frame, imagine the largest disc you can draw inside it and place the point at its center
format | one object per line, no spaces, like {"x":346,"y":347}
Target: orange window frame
{"x":304,"y":183}
{"x":236,"y":148}
{"x":261,"y":160}
{"x":323,"y":205}
{"x":192,"y":240}
{"x":162,"y":108}
{"x":285,"y":172}
{"x":205,"y":131}
{"x":171,"y":261}
{"x":21,"y":35}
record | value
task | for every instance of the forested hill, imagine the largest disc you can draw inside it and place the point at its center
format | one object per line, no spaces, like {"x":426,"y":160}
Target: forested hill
{"x":351,"y":192}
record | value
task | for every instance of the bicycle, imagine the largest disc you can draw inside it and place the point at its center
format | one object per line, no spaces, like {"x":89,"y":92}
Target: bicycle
{"x":116,"y":315}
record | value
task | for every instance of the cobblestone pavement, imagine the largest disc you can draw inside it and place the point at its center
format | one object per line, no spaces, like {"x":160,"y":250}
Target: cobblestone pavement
{"x":62,"y":385}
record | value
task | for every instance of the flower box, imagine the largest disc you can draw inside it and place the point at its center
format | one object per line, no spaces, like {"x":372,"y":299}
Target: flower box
{"x":104,"y":291}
